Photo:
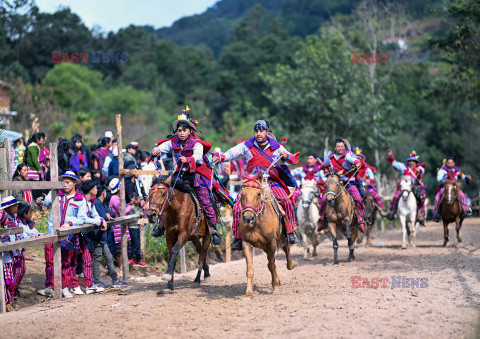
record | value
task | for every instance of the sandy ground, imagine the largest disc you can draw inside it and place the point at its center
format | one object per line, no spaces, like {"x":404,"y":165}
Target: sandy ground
{"x":316,"y":298}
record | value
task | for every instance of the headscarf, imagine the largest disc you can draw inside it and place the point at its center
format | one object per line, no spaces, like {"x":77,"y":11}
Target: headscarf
{"x":261,"y":125}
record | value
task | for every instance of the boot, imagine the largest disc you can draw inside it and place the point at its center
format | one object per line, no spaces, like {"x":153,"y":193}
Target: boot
{"x":391,"y":215}
{"x":322,"y":224}
{"x":421,"y":219}
{"x":236,"y":245}
{"x":292,"y":238}
{"x":468,"y":213}
{"x":216,"y":240}
{"x":158,"y":231}
{"x":436,"y":217}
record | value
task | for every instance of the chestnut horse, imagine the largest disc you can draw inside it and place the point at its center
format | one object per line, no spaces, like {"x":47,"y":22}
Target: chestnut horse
{"x":261,"y":228}
{"x":371,"y":208}
{"x":340,"y":213}
{"x":183,"y":221}
{"x":451,"y":210}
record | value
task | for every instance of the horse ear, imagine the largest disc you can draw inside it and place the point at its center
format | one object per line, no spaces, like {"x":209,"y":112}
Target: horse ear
{"x":260,"y":177}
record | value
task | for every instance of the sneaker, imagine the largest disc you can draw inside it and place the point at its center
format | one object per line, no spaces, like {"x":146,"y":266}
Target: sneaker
{"x":66,"y":294}
{"x":94,"y":289}
{"x":216,"y":240}
{"x":81,"y":275}
{"x":391,"y":215}
{"x":78,"y":291}
{"x":118,"y":284}
{"x":131,"y":262}
{"x":46,"y":292}
{"x":141,"y":263}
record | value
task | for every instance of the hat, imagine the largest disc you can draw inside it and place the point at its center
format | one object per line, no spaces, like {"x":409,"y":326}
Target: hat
{"x":358,"y":152}
{"x":8,"y":201}
{"x":109,"y":134}
{"x":114,"y":185}
{"x":69,"y":175}
{"x":185,"y":117}
{"x":134,"y":143}
{"x":413,"y":157}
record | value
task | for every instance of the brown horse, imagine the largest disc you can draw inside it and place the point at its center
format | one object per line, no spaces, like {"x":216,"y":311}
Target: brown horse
{"x":451,"y":210}
{"x":340,"y":213}
{"x":261,"y":228}
{"x":371,"y":208}
{"x":183,"y":221}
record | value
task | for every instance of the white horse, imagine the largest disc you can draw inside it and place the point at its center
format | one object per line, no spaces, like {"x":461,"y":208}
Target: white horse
{"x":407,"y":211}
{"x":308,"y":215}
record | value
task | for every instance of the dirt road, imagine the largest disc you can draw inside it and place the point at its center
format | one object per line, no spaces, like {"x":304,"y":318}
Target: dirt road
{"x":316,"y":299}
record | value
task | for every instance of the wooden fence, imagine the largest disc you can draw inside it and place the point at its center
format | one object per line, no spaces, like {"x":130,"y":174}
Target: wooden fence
{"x":58,"y":233}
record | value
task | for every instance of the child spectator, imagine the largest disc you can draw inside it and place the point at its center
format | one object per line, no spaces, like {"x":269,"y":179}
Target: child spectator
{"x":99,"y":239}
{"x":24,"y":196}
{"x":135,"y":253}
{"x":84,"y":175}
{"x":10,"y":207}
{"x":79,"y":159}
{"x":117,"y":229}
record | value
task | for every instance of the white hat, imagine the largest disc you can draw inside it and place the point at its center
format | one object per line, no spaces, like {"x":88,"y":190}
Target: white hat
{"x":7,"y":202}
{"x":69,"y":175}
{"x":109,"y":134}
{"x":114,"y":185}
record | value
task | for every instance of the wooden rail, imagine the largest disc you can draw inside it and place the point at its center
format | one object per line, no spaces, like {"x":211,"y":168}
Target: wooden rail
{"x":10,"y":231}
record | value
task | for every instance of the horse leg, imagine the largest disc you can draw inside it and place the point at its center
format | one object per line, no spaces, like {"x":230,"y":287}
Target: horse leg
{"x":201,"y":260}
{"x":304,"y":241}
{"x":346,"y":224}
{"x":270,"y":251}
{"x":315,"y":241}
{"x":168,"y":275}
{"x":248,"y":253}
{"x":458,"y":225}
{"x":403,"y":221}
{"x":333,"y":232}
{"x":286,"y":249}
{"x":445,"y":232}
{"x":367,"y":235}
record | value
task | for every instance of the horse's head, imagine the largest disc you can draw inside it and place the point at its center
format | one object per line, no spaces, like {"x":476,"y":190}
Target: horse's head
{"x":157,"y":200}
{"x":451,"y":189}
{"x":406,"y":186}
{"x":333,"y":187}
{"x":309,"y":188}
{"x":251,"y":199}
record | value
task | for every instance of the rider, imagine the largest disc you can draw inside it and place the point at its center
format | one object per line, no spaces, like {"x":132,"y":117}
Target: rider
{"x":312,"y":170}
{"x":347,"y":166}
{"x":450,"y":171}
{"x":415,"y":171}
{"x":260,"y":152}
{"x":189,"y":151}
{"x":367,"y":174}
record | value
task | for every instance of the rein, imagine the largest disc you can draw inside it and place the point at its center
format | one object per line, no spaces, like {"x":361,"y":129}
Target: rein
{"x":255,"y":210}
{"x":336,"y":195}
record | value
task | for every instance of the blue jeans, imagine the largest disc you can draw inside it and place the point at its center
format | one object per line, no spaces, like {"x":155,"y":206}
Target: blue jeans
{"x":135,"y":252}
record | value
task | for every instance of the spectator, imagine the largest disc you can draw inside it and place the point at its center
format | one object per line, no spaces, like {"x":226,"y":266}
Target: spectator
{"x":146,"y":180}
{"x":99,"y":239}
{"x":113,"y":165}
{"x":115,"y":207}
{"x":10,"y":207}
{"x":89,"y":190}
{"x":129,"y":156}
{"x":73,"y":211}
{"x":35,"y":171}
{"x":96,"y":175}
{"x":109,"y":157}
{"x":64,"y":155}
{"x":19,"y":150}
{"x":80,"y":155}
{"x":24,"y":196}
{"x":98,"y":157}
{"x":84,"y":175}
{"x":44,"y":156}
{"x":135,"y":257}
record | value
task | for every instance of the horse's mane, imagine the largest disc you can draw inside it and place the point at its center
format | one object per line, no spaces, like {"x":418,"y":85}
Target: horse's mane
{"x":181,"y":186}
{"x":458,"y":184}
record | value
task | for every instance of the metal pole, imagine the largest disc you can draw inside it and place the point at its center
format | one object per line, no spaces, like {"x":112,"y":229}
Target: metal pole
{"x":122,"y":198}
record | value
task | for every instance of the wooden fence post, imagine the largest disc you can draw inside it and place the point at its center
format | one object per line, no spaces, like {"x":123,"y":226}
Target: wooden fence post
{"x":3,"y":170}
{"x":56,"y":219}
{"x":123,"y":207}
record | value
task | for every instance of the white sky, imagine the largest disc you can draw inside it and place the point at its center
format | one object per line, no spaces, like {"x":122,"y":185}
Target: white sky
{"x":111,"y":15}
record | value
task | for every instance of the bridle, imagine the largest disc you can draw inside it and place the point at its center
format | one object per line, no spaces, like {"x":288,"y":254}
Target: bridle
{"x":450,"y":197}
{"x":313,"y":193}
{"x":250,"y":184}
{"x":158,"y":209}
{"x":335,"y":194}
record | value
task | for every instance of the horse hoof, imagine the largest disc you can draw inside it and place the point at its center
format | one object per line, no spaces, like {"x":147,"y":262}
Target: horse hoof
{"x":197,"y":280}
{"x":206,"y":275}
{"x":445,"y":243}
{"x":276,"y":289}
{"x":335,"y":263}
{"x":167,"y":277}
{"x":413,"y":245}
{"x":249,"y":295}
{"x":459,"y":239}
{"x":291,"y":265}
{"x":314,"y":254}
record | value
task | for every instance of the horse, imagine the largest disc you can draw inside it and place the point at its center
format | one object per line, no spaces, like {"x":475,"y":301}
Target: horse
{"x":308,"y":214}
{"x":371,"y":208}
{"x":451,"y":210}
{"x":340,"y":213}
{"x":181,"y":214}
{"x":261,"y":227}
{"x":407,"y":212}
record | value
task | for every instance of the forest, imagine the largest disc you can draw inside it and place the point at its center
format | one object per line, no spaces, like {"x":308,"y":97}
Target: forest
{"x":287,"y":61}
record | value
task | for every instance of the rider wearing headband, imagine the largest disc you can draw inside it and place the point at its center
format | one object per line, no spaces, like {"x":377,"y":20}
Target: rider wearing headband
{"x":260,"y":151}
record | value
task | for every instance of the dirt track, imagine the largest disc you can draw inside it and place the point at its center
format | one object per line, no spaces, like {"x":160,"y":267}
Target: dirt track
{"x":315,"y":299}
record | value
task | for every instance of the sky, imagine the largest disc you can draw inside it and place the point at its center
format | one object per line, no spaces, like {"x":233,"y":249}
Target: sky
{"x":111,"y":15}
